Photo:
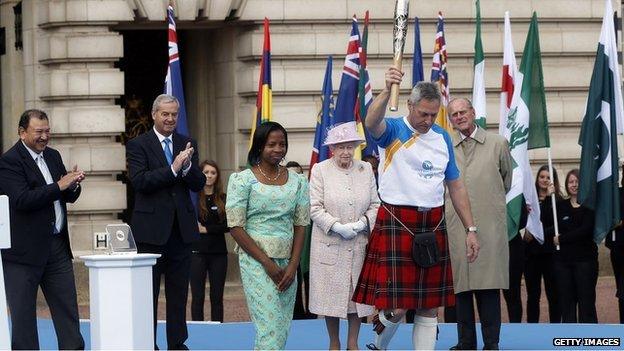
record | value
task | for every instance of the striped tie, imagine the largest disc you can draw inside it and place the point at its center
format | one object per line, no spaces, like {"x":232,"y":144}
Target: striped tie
{"x":168,"y":153}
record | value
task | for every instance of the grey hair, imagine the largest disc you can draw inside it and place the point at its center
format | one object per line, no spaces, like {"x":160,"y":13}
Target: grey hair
{"x":163,"y":99}
{"x":467,"y":100}
{"x":424,"y":90}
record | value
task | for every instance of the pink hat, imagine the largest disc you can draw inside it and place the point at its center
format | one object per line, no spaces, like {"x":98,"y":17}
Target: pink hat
{"x":343,"y":133}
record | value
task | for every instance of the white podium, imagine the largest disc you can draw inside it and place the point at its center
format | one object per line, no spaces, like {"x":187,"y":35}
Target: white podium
{"x":121,"y":303}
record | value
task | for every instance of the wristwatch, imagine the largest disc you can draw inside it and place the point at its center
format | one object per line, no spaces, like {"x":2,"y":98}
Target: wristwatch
{"x":471,"y":229}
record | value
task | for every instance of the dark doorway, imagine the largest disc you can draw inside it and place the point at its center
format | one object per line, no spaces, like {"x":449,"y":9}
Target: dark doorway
{"x":144,"y":65}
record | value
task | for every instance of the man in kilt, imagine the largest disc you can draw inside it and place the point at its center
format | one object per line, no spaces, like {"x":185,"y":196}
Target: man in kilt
{"x":416,"y":161}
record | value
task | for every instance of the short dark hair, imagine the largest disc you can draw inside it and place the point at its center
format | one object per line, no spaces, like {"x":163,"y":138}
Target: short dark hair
{"x":293,"y":164}
{"x":24,"y":120}
{"x":260,"y":138}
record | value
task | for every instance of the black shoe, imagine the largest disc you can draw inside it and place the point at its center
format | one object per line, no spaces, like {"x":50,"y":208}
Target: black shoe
{"x":178,"y":347}
{"x":461,"y":346}
{"x":490,"y":346}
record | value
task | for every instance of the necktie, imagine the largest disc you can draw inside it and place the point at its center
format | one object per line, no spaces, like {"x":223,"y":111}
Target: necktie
{"x":58,"y":211}
{"x":168,"y":153}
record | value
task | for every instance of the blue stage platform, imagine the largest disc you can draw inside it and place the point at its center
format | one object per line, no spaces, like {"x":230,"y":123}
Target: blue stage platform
{"x":311,"y":335}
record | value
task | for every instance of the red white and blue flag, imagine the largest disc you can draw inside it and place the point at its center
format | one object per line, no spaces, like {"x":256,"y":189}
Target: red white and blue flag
{"x":173,"y":81}
{"x":439,"y":74}
{"x":347,"y":101}
{"x":365,"y":96}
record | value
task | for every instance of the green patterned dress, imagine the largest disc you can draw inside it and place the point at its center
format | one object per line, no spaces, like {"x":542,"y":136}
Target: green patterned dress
{"x":267,"y":213}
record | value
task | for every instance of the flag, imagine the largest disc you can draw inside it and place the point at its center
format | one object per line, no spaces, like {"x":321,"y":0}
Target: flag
{"x":417,"y":63}
{"x":510,"y":70}
{"x":320,"y":152}
{"x":526,"y":127}
{"x":365,"y":96}
{"x":478,"y":83}
{"x":439,"y":74}
{"x":173,"y":85}
{"x":173,"y":80}
{"x":264,"y":99}
{"x":598,"y":188}
{"x":346,"y":102}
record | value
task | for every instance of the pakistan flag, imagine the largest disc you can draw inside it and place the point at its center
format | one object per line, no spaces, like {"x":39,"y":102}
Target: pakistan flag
{"x":524,"y":133}
{"x":598,"y":188}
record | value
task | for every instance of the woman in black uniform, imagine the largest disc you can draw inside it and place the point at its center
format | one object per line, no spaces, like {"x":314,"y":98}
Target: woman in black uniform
{"x":576,"y":262}
{"x":210,"y":252}
{"x":539,"y":257}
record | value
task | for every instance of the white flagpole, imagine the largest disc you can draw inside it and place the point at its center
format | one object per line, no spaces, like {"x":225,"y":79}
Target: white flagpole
{"x":552,"y":196}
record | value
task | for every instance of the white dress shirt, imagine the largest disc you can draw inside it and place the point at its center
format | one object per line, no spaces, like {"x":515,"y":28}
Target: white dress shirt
{"x":45,"y":171}
{"x":472,"y":135}
{"x":161,"y":139}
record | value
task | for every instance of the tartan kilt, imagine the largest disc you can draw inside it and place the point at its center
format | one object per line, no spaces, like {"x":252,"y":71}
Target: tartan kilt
{"x":390,"y":278}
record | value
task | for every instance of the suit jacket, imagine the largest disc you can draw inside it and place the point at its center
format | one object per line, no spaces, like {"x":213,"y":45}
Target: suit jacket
{"x":31,"y":203}
{"x":160,"y":196}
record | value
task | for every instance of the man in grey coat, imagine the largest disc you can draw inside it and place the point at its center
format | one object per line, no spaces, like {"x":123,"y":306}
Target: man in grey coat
{"x":484,"y":162}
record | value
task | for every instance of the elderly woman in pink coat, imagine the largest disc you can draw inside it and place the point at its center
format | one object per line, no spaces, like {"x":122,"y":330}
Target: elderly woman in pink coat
{"x":343,"y":207}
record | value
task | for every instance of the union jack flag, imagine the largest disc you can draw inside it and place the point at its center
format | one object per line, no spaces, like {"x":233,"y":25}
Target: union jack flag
{"x":439,"y":74}
{"x":173,"y":81}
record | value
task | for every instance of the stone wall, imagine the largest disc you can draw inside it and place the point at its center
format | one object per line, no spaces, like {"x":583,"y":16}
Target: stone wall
{"x":70,"y":46}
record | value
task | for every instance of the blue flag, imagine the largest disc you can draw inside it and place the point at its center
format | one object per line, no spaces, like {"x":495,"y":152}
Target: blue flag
{"x":319,"y":151}
{"x":173,"y":81}
{"x":173,"y":84}
{"x":417,"y":62}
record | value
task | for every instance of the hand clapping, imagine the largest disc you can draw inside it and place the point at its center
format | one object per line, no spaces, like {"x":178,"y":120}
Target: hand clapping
{"x":71,"y":179}
{"x":183,"y":160}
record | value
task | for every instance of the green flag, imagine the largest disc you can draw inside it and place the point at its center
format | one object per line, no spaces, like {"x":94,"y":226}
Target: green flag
{"x":478,"y":84}
{"x":598,"y":188}
{"x":526,"y":128}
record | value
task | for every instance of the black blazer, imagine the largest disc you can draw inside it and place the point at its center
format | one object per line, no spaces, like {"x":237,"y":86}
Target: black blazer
{"x":31,"y":203}
{"x":159,"y":196}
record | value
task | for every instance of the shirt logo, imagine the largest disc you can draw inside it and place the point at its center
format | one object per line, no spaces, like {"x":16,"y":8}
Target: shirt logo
{"x":427,"y":169}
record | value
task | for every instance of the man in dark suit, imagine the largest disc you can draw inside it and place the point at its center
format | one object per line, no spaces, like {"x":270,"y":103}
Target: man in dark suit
{"x":164,"y":219}
{"x":38,"y":186}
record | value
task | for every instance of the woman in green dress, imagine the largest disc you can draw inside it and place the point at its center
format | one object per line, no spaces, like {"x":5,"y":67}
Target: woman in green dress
{"x":268,"y":209}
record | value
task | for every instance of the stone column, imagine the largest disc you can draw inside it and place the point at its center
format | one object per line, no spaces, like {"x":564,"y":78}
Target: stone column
{"x":11,"y":76}
{"x":69,"y":56}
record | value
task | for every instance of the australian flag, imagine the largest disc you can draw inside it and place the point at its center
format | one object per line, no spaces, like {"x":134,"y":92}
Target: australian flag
{"x":173,"y":81}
